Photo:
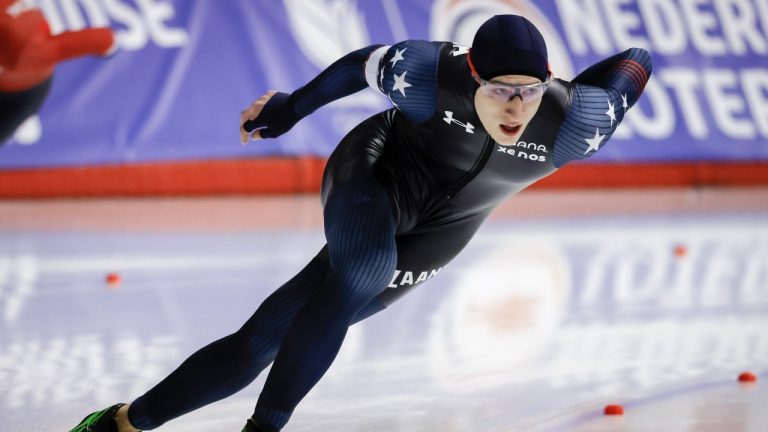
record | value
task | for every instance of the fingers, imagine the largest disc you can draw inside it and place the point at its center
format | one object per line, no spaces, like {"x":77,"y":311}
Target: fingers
{"x":243,"y":136}
{"x":246,"y":136}
{"x":253,"y":136}
{"x":257,"y":106}
{"x":251,"y":113}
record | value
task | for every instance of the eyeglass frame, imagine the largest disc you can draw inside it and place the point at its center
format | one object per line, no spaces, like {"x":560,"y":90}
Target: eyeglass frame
{"x":517,"y":87}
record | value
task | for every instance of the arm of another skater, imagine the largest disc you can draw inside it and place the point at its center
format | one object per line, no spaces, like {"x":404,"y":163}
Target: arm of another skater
{"x":30,"y":52}
{"x":72,"y":44}
{"x":17,"y":27}
{"x":6,"y":4}
{"x":600,"y":97}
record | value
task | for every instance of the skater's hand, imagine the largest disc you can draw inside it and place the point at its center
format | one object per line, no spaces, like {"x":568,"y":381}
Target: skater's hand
{"x":251,"y":113}
{"x":269,"y":117}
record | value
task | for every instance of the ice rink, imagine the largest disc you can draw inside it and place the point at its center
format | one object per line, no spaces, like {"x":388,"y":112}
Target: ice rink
{"x":566,"y":301}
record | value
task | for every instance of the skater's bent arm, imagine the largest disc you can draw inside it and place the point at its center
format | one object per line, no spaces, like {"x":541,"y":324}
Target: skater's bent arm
{"x":600,"y":97}
{"x":625,"y":73}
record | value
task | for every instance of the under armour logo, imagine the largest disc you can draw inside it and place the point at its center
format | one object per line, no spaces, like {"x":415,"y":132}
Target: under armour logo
{"x":449,"y":119}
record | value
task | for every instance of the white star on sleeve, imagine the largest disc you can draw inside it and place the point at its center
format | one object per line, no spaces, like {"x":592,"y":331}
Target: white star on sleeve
{"x":624,"y":103}
{"x":594,"y":143}
{"x":400,"y":83}
{"x":610,"y":113}
{"x":397,"y":57}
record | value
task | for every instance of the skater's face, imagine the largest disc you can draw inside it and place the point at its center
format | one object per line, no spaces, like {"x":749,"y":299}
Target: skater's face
{"x":506,"y":104}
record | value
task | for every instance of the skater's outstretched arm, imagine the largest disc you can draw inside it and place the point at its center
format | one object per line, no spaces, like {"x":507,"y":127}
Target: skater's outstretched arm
{"x":275,"y":113}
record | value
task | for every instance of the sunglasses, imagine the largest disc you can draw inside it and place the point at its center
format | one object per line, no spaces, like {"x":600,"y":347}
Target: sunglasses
{"x":504,"y":92}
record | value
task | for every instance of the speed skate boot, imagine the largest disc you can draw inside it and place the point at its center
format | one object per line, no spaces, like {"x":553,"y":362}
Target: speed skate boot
{"x":99,"y":421}
{"x":253,"y":426}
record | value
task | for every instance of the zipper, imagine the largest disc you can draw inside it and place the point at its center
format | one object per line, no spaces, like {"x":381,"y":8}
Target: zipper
{"x":472,"y":173}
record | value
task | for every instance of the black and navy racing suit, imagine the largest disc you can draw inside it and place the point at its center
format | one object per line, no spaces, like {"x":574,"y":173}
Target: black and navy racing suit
{"x":403,"y":194}
{"x":442,"y":170}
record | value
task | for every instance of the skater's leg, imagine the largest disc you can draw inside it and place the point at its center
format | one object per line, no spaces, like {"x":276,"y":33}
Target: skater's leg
{"x":360,"y":229}
{"x":231,"y":363}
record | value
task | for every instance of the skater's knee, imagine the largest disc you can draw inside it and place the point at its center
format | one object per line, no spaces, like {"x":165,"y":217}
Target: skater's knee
{"x":354,"y":287}
{"x":257,"y":349}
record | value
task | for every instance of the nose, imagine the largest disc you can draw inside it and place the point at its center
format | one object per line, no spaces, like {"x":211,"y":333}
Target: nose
{"x":514,"y":107}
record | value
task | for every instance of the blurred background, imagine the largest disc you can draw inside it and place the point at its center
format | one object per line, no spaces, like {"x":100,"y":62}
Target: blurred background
{"x":160,"y":116}
{"x":134,"y":227}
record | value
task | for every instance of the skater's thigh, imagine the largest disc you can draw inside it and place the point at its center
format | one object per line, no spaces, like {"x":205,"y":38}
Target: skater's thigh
{"x":283,"y":304}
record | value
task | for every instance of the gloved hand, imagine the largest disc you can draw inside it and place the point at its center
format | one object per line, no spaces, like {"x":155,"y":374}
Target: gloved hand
{"x":269,"y":117}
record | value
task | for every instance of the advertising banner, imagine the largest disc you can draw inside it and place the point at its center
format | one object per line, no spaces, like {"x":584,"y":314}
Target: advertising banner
{"x":186,"y":68}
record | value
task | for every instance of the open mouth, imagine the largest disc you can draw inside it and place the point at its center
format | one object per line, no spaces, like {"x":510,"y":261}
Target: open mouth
{"x":510,"y":130}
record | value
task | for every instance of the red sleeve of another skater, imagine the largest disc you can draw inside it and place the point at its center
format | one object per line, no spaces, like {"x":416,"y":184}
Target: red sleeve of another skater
{"x":72,"y":44}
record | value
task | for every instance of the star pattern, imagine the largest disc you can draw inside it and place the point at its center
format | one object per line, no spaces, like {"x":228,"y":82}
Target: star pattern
{"x":397,"y":57}
{"x":611,"y":113}
{"x":400,"y":83}
{"x":594,"y":142}
{"x":624,"y":103}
